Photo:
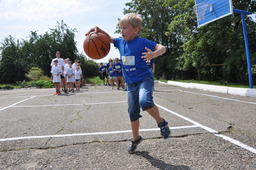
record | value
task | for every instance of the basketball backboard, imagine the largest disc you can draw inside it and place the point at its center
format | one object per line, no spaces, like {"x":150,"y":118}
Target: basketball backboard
{"x":211,"y":10}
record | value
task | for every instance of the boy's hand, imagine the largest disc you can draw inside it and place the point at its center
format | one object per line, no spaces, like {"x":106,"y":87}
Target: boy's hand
{"x":94,"y":29}
{"x":97,"y":30}
{"x":148,"y":55}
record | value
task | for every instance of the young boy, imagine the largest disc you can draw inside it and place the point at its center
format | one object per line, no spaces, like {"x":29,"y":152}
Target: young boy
{"x":78,"y":76}
{"x":70,"y":74}
{"x":103,"y":72}
{"x":135,"y":52}
{"x":112,"y":75}
{"x":55,"y":75}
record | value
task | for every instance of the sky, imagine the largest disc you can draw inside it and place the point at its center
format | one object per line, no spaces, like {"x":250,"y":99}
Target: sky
{"x":19,"y":17}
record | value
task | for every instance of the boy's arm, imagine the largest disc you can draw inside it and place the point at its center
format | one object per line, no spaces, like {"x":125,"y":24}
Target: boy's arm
{"x":97,"y":29}
{"x":149,"y":55}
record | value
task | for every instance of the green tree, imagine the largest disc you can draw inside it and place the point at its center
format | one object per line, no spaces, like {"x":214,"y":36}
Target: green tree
{"x":212,"y":52}
{"x":156,"y":18}
{"x":45,"y":46}
{"x":18,"y":57}
{"x":12,"y":67}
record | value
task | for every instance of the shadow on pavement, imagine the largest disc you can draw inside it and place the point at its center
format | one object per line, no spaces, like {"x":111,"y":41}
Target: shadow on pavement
{"x":159,"y":163}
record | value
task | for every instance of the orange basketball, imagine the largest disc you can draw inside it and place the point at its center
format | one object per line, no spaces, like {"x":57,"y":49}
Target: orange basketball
{"x":96,"y":45}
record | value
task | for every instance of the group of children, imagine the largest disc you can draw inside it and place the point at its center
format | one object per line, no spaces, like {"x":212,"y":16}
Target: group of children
{"x":112,"y":74}
{"x":65,"y":74}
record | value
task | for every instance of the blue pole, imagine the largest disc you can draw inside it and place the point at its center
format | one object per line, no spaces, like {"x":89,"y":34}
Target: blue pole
{"x":248,"y":58}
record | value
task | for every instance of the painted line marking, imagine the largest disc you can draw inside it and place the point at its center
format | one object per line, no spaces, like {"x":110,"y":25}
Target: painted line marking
{"x":236,"y":142}
{"x":69,"y":94}
{"x":187,"y":119}
{"x":17,"y":103}
{"x":89,"y":134}
{"x":61,"y":105}
{"x":196,"y":124}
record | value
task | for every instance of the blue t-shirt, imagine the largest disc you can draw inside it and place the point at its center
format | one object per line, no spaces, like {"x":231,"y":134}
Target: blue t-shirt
{"x":134,"y":67}
{"x":111,"y":71}
{"x":150,"y":64}
{"x":118,"y":68}
{"x":103,"y":69}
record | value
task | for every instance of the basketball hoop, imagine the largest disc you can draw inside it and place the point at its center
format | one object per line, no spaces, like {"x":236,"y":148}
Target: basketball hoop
{"x":201,"y":9}
{"x":252,"y":17}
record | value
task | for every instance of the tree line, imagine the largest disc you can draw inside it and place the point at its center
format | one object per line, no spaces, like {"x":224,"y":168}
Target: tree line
{"x":19,"y":56}
{"x":214,"y":52}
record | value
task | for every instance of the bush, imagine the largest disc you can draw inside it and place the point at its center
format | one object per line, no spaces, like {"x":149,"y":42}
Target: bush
{"x":94,"y":80}
{"x":44,"y":84}
{"x":6,"y":87}
{"x":38,"y":84}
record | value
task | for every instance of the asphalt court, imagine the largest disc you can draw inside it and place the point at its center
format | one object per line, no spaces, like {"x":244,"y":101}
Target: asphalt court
{"x":35,"y":118}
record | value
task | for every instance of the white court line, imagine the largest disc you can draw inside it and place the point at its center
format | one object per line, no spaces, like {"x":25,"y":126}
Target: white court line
{"x":236,"y":142}
{"x":196,"y":124}
{"x":224,"y":98}
{"x":16,"y":103}
{"x":89,"y":134}
{"x":63,"y":94}
{"x":61,"y":105}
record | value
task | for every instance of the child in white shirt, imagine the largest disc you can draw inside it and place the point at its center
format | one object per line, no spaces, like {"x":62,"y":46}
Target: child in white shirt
{"x":55,"y":76}
{"x":70,"y":74}
{"x":78,"y":76}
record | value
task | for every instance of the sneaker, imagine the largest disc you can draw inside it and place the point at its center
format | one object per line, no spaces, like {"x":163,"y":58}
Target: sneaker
{"x":164,"y":129}
{"x":134,"y":144}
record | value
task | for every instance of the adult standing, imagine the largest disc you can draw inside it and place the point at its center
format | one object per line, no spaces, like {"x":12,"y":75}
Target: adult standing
{"x":61,"y":63}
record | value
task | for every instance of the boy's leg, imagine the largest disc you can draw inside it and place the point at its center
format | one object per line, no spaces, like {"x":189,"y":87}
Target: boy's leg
{"x":154,"y":112}
{"x":134,"y":114}
{"x":76,"y":85}
{"x":112,"y":82}
{"x":56,"y":87}
{"x":147,"y":104}
{"x":135,"y":129}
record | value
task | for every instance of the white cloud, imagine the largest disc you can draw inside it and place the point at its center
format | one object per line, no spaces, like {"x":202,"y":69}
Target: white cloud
{"x":34,"y":10}
{"x":19,"y":17}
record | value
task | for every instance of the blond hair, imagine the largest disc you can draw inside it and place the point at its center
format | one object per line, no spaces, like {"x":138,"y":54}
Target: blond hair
{"x":131,"y":18}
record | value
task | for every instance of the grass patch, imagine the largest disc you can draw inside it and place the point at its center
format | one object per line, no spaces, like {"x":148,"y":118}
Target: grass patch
{"x":163,"y":80}
{"x":36,"y":73}
{"x":36,"y":83}
{"x":3,"y":150}
{"x":6,"y":87}
{"x":94,"y":81}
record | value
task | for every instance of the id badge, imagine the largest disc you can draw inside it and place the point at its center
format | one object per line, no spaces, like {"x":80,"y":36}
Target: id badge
{"x":128,"y":60}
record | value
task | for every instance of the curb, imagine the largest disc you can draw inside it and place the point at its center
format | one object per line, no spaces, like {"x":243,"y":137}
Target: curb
{"x":212,"y":88}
